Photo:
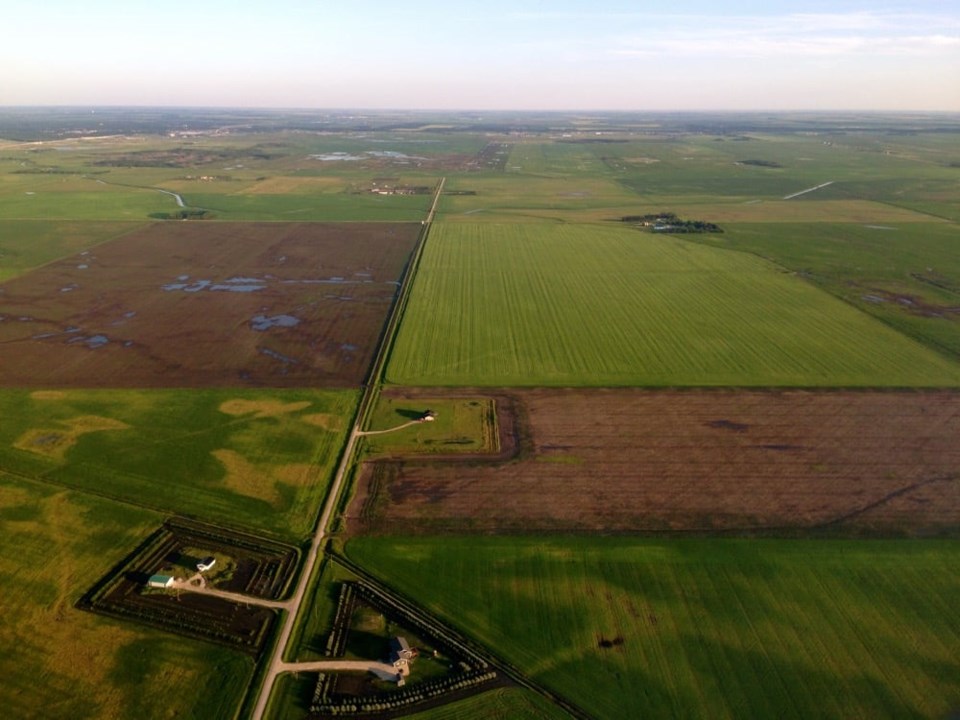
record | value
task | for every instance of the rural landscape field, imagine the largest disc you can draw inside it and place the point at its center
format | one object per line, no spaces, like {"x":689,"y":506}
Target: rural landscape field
{"x":607,"y":415}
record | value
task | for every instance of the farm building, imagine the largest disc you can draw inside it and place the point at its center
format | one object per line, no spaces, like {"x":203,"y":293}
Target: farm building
{"x":400,"y":652}
{"x":160,"y":581}
{"x":206,"y":563}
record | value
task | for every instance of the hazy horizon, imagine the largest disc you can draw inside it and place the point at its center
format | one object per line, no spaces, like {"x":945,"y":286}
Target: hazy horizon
{"x":300,"y":55}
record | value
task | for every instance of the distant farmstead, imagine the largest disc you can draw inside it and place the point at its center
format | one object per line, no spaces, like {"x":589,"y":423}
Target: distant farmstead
{"x":160,"y":581}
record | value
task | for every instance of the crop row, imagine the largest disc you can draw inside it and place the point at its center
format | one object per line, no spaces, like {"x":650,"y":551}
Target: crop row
{"x":530,"y":305}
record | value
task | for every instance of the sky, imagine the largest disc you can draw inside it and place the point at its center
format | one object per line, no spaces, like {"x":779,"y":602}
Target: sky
{"x":496,"y":54}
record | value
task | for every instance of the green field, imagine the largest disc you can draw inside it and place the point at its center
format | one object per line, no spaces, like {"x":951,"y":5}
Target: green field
{"x":532,"y":305}
{"x":260,"y":459}
{"x":328,"y":207}
{"x":295,"y":692}
{"x":125,"y":204}
{"x":59,"y":662}
{"x":543,"y":199}
{"x":752,"y":628}
{"x":26,"y":244}
{"x":907,"y":274}
{"x":466,"y":425}
{"x":506,"y":704}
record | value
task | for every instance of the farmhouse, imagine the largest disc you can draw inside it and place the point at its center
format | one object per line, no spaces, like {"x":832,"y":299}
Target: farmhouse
{"x":160,"y":581}
{"x":401,"y":653}
{"x":206,"y":563}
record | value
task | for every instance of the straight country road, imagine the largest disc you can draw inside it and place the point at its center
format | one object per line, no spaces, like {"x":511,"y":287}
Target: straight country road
{"x":276,"y":665}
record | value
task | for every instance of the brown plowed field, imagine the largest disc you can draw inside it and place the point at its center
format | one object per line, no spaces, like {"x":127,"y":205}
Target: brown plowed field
{"x":699,"y":461}
{"x":189,"y":304}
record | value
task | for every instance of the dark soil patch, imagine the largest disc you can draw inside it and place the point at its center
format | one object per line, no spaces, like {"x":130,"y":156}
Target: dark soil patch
{"x":779,"y":463}
{"x":171,"y":306}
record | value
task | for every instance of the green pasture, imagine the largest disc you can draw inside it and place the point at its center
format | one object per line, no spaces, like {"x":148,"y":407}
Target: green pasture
{"x":260,"y":459}
{"x":293,"y":694}
{"x":532,"y":305}
{"x":906,"y":274}
{"x":59,"y":662}
{"x":112,"y":203}
{"x":910,"y":171}
{"x":728,"y":629}
{"x":326,"y":207}
{"x":26,"y":244}
{"x":810,"y":209}
{"x":512,"y":199}
{"x":555,"y":159}
{"x":499,"y":704}
{"x":461,"y":425}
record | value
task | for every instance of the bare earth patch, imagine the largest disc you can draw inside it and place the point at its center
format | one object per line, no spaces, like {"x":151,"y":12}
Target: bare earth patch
{"x":48,"y":395}
{"x":262,"y":408}
{"x":260,"y":481}
{"x":323,"y":420}
{"x":720,"y":461}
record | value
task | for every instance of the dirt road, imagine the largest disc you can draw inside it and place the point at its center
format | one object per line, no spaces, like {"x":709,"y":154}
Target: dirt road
{"x":187,"y":586}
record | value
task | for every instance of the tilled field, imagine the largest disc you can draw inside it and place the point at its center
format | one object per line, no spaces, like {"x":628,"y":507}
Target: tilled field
{"x":688,"y":462}
{"x":194,"y":304}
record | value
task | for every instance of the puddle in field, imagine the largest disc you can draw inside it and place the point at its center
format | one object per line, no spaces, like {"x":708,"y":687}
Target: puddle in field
{"x":234,"y":284}
{"x":348,"y":347}
{"x":236,"y":288}
{"x":277,"y":356}
{"x":242,"y":284}
{"x":82,"y":266}
{"x":336,"y":157}
{"x":340,"y":156}
{"x":123,"y":318}
{"x":69,"y":288}
{"x":262,"y":322}
{"x":93,"y":342}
